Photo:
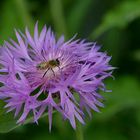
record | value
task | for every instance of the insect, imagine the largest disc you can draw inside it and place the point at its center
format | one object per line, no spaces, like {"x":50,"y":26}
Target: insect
{"x":48,"y":66}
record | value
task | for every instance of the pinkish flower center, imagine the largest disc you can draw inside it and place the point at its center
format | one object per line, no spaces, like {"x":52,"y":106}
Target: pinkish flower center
{"x":50,"y":64}
{"x":47,"y":66}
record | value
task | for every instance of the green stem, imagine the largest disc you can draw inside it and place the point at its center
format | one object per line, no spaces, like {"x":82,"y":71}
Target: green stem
{"x":57,"y":13}
{"x":79,"y":131}
{"x":23,"y":12}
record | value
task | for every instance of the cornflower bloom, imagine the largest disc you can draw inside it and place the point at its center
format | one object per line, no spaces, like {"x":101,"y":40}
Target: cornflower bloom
{"x":41,"y":74}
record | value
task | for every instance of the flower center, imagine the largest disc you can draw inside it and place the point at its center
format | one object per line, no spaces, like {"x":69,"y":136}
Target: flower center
{"x":48,"y":66}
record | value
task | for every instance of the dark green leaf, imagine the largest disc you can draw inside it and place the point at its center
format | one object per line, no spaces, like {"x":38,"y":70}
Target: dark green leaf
{"x":125,"y":94}
{"x":7,"y":121}
{"x":77,"y":14}
{"x":14,"y":15}
{"x":120,"y":17}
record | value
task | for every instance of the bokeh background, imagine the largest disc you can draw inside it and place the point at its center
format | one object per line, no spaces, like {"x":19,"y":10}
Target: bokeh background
{"x":115,"y":25}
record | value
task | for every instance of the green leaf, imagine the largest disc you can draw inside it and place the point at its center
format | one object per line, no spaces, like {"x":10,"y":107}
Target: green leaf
{"x":56,"y":8}
{"x":125,"y":94}
{"x":77,"y":14}
{"x":14,"y":15}
{"x":120,"y":17}
{"x":7,"y":121}
{"x":136,"y":55}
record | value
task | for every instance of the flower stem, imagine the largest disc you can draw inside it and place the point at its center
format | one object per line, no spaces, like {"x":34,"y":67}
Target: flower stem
{"x":26,"y":18}
{"x":56,"y":7}
{"x":79,"y":132}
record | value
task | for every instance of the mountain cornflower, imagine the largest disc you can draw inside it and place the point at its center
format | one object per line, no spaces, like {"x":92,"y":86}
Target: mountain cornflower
{"x":40,"y":74}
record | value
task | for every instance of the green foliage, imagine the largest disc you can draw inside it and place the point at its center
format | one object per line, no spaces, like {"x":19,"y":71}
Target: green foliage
{"x":57,"y":16}
{"x":120,"y":112}
{"x":14,"y":15}
{"x":120,"y":16}
{"x":125,"y":94}
{"x":77,"y":14}
{"x":7,"y":121}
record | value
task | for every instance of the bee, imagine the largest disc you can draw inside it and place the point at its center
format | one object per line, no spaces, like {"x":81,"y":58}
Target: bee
{"x":48,"y":66}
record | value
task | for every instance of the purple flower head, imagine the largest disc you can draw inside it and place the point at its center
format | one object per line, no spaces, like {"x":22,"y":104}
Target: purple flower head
{"x":41,"y":74}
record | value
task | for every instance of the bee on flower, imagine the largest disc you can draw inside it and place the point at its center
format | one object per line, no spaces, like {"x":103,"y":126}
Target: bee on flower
{"x":41,"y":74}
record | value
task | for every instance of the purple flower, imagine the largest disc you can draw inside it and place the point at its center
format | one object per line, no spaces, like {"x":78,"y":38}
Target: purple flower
{"x":41,"y":74}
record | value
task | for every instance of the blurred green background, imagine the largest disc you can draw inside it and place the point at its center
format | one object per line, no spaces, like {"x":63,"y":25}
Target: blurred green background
{"x":115,"y":25}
